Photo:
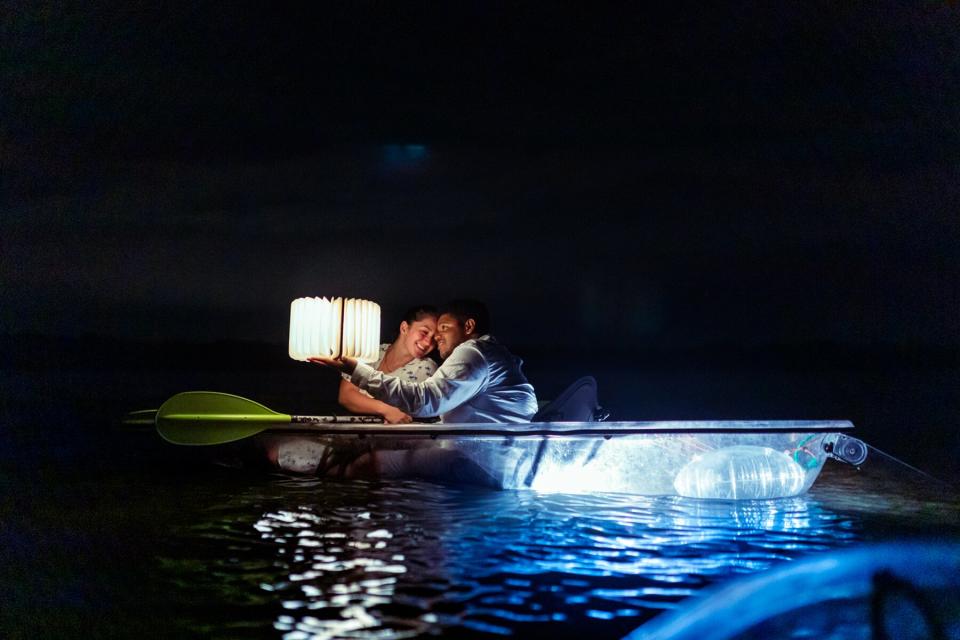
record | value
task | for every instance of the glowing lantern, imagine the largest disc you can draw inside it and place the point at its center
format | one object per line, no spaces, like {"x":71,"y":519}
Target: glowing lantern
{"x":334,"y":327}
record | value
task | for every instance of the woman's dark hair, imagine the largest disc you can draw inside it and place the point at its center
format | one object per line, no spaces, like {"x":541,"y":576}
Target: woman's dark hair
{"x":464,"y":309}
{"x":419,"y":312}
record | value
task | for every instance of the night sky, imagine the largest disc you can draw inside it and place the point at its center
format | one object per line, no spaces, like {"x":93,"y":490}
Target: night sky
{"x":615,"y":179}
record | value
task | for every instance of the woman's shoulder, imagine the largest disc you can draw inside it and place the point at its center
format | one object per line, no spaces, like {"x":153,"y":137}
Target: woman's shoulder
{"x":425,"y":363}
{"x":417,"y":370}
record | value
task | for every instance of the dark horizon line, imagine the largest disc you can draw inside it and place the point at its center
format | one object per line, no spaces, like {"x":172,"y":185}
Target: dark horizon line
{"x":929,"y":149}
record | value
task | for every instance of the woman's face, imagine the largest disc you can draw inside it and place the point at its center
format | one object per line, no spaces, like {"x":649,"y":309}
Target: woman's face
{"x":417,"y":336}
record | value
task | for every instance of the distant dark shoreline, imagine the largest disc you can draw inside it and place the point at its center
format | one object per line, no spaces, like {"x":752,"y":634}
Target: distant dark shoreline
{"x":27,"y":352}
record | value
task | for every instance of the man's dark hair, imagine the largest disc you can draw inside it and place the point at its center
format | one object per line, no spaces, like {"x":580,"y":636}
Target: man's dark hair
{"x":419,"y":312}
{"x":465,"y":309}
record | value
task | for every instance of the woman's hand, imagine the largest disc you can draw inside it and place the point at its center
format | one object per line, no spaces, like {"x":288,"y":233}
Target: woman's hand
{"x":392,"y":415}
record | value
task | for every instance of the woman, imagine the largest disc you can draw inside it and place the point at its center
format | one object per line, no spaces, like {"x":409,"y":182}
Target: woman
{"x":406,"y":357}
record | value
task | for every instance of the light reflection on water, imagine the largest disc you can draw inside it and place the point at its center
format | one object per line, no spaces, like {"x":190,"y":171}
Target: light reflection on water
{"x":216,"y":553}
{"x":319,"y":559}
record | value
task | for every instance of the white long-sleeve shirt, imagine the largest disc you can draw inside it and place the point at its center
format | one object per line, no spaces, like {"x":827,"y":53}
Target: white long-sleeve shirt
{"x":480,"y":381}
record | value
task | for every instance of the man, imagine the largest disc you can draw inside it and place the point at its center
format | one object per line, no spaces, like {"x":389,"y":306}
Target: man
{"x":479,"y":380}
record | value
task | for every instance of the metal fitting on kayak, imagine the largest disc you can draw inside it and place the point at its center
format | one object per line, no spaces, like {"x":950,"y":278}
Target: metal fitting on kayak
{"x":845,"y":449}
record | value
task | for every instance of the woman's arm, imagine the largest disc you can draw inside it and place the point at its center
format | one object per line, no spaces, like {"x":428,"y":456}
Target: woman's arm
{"x":353,"y":399}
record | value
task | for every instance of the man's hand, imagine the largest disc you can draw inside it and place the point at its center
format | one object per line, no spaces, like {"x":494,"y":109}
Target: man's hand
{"x":392,"y":415}
{"x":344,"y":365}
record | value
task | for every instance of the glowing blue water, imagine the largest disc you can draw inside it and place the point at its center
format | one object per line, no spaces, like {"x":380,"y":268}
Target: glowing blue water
{"x":223,"y":553}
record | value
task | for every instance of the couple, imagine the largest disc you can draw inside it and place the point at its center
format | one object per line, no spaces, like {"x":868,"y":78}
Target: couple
{"x":478,"y":380}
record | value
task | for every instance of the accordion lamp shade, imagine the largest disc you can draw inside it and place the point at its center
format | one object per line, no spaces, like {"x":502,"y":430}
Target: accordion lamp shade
{"x":334,"y":327}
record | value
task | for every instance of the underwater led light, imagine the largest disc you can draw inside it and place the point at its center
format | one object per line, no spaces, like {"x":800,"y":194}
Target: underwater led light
{"x":335,"y":327}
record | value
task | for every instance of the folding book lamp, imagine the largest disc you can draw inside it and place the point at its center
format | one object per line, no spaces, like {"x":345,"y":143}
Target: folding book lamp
{"x":333,"y":328}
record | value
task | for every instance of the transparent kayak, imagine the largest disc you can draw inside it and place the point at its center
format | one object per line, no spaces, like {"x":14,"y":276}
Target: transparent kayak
{"x":725,"y":460}
{"x":729,"y":460}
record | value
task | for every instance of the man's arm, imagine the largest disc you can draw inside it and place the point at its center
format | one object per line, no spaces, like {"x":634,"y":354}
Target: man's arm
{"x":461,"y":377}
{"x":353,"y":399}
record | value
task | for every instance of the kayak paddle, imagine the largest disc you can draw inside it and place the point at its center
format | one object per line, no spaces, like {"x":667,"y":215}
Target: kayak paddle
{"x":211,"y":417}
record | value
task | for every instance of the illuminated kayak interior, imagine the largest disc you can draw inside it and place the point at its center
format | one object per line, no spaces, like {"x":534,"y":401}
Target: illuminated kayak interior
{"x":715,"y":460}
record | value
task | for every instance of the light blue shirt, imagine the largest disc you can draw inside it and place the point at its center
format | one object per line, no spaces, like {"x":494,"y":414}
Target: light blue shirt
{"x":480,"y":381}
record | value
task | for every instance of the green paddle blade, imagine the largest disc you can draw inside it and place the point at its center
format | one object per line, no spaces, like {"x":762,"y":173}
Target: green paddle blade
{"x":210,"y":417}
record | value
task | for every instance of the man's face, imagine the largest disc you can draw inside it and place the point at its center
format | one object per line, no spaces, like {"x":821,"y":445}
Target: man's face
{"x":450,"y":333}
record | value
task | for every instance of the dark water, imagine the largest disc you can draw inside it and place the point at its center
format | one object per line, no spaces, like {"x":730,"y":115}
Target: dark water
{"x":213,"y":552}
{"x":104,"y":534}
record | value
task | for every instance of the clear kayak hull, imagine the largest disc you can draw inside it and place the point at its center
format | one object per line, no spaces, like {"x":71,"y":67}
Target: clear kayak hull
{"x":730,"y":460}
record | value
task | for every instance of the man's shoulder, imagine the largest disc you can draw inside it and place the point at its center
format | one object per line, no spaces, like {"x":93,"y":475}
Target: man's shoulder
{"x":489,"y":344}
{"x":488,"y":348}
{"x":470,"y":352}
{"x":467,"y":347}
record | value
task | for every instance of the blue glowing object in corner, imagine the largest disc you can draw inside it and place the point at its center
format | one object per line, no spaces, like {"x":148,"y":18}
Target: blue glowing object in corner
{"x":912,"y":589}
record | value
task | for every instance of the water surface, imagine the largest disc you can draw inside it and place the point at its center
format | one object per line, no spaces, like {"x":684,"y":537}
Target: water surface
{"x":217,"y":552}
{"x":103,"y":536}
